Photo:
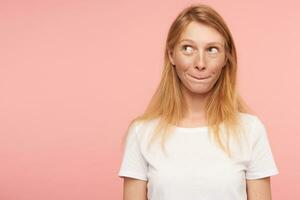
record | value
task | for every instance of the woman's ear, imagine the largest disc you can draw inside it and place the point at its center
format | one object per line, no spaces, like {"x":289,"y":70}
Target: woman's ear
{"x":170,"y":54}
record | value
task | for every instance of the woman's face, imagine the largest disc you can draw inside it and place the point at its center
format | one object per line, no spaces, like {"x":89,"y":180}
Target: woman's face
{"x":199,"y":57}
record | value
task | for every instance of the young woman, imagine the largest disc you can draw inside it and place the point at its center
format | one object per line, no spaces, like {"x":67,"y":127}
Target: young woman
{"x":197,"y":139}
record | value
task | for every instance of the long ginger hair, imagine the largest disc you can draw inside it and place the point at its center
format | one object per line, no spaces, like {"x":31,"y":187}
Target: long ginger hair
{"x":224,"y":103}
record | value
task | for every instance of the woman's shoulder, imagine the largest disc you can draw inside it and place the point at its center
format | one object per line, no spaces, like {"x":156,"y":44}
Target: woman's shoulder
{"x":143,"y":124}
{"x":247,"y":115}
{"x":143,"y":127}
{"x":255,"y":125}
{"x":249,"y":118}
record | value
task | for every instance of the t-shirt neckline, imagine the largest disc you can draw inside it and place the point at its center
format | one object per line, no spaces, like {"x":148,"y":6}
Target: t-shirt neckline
{"x":199,"y":128}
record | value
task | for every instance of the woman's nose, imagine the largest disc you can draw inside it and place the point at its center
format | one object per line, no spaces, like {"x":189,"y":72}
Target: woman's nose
{"x":200,"y":60}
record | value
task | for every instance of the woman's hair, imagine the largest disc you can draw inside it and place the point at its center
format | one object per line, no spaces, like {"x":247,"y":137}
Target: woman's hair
{"x":223,"y":105}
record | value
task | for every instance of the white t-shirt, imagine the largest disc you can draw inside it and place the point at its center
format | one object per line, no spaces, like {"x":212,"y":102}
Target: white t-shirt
{"x":196,"y":168}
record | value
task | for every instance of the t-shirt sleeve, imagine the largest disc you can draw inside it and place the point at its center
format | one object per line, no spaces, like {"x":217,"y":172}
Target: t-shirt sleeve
{"x":261,"y":163}
{"x":133,"y":163}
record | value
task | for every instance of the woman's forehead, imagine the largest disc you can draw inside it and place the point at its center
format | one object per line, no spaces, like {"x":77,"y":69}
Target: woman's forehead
{"x":213,"y":42}
{"x":201,"y":34}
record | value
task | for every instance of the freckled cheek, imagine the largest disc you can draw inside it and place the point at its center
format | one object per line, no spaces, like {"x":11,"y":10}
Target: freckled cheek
{"x":184,"y":63}
{"x":215,"y":67}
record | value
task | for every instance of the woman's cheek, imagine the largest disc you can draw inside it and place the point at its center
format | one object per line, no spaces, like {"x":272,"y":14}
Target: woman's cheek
{"x":216,"y":71}
{"x":216,"y":66}
{"x":184,"y":63}
{"x":182,"y":66}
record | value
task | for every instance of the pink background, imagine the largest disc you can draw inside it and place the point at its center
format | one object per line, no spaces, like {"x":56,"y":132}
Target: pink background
{"x":73,"y":74}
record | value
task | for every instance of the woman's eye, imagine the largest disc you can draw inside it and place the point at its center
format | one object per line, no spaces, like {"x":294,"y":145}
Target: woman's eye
{"x":213,"y":49}
{"x":187,"y":48}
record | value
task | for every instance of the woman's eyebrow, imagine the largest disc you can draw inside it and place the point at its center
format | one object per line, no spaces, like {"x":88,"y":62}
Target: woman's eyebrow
{"x":209,"y":43}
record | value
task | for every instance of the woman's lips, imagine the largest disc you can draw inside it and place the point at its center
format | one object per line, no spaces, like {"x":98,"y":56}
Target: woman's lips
{"x":197,"y":78}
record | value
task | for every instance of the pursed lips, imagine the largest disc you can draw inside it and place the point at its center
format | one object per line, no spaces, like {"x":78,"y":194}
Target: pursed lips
{"x":199,"y":78}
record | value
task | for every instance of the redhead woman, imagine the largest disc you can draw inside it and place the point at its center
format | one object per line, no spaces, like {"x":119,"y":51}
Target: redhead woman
{"x":197,"y":139}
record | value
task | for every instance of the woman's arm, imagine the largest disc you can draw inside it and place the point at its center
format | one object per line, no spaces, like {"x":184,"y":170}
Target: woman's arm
{"x":134,"y":189}
{"x":259,"y":189}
